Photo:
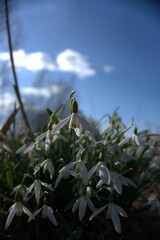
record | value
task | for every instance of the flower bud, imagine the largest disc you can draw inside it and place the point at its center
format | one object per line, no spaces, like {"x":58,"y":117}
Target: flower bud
{"x":74,"y":106}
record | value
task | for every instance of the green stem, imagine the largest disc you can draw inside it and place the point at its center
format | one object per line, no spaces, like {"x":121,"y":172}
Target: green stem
{"x":74,"y":145}
{"x":9,"y":177}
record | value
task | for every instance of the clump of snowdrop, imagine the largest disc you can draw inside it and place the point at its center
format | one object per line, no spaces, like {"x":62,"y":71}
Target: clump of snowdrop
{"x":89,"y":166}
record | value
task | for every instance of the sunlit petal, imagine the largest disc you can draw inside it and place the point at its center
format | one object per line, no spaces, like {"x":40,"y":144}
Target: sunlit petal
{"x":124,"y":141}
{"x":67,"y":167}
{"x":60,"y":125}
{"x":30,"y":147}
{"x":85,"y":124}
{"x":41,"y":136}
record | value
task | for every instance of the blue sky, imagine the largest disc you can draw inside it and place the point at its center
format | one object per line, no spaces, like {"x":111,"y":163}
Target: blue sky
{"x":111,"y":49}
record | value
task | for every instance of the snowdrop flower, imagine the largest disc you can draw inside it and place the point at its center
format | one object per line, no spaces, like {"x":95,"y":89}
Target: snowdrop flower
{"x":48,"y":165}
{"x":113,"y":211}
{"x":49,"y":138}
{"x":46,"y":212}
{"x":36,"y":187}
{"x":78,"y":171}
{"x":66,"y":170}
{"x":118,"y":181}
{"x":104,"y":175}
{"x":16,"y":209}
{"x":75,"y":121}
{"x":81,"y":204}
{"x":134,"y":138}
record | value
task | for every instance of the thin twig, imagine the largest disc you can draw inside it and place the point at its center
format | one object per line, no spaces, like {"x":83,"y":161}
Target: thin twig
{"x":16,"y":87}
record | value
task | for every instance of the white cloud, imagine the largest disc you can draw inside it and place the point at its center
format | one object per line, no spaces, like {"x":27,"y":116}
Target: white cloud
{"x":72,"y":61}
{"x":108,"y":68}
{"x":66,"y":61}
{"x":42,"y":91}
{"x":32,"y":61}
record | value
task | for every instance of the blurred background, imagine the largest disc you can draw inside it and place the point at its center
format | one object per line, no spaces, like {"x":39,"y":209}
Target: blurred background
{"x":108,"y":51}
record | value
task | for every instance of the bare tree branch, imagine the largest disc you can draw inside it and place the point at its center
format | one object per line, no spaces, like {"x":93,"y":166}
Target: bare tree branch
{"x":16,"y":86}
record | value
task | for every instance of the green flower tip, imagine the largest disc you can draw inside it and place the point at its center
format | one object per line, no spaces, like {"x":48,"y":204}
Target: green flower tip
{"x":135,"y":130}
{"x":17,"y":197}
{"x":74,"y":106}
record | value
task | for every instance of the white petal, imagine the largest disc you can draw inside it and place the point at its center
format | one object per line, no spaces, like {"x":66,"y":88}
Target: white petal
{"x":22,"y":148}
{"x":104,"y":174}
{"x":82,"y":208}
{"x":75,"y":206}
{"x":60,"y":125}
{"x":67,"y":167}
{"x":13,"y":206}
{"x":58,"y":180}
{"x":50,"y":168}
{"x":51,"y":216}
{"x":119,"y":210}
{"x":30,"y":147}
{"x":90,"y":204}
{"x":45,"y":211}
{"x":78,"y":131}
{"x":98,"y":211}
{"x":115,"y":218}
{"x":74,"y":123}
{"x":126,"y":181}
{"x":26,"y":211}
{"x":46,"y":185}
{"x":99,"y":184}
{"x":124,"y":141}
{"x":117,"y":183}
{"x":135,"y":139}
{"x":28,"y":191}
{"x":32,"y":217}
{"x":84,"y":174}
{"x":11,"y":215}
{"x":37,"y":190}
{"x":92,"y":171}
{"x":41,"y":136}
{"x":85,"y":124}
